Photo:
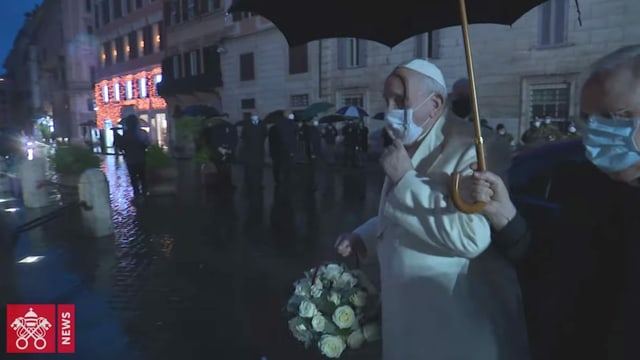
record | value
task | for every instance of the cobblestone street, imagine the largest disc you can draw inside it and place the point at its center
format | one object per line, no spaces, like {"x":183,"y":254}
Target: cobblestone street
{"x":192,"y":276}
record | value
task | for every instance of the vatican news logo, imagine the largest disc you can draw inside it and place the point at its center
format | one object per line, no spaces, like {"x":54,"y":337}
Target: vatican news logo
{"x":41,"y":328}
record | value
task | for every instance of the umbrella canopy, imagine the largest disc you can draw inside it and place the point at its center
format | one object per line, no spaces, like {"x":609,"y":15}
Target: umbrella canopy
{"x":314,"y":110}
{"x":273,"y":117}
{"x":141,"y":122}
{"x":375,"y":20}
{"x":200,"y":110}
{"x":352,"y":111}
{"x":379,"y":116}
{"x":332,"y":119}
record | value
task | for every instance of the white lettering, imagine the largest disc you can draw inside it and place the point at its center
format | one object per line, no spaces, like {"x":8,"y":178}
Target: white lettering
{"x":66,"y":315}
{"x":66,"y":324}
{"x":66,"y":341}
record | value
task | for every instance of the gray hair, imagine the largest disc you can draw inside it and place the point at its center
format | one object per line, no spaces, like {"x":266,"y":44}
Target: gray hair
{"x":615,"y":59}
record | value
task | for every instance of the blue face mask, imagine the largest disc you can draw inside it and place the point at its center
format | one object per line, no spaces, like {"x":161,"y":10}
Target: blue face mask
{"x":609,"y":143}
{"x":254,"y":120}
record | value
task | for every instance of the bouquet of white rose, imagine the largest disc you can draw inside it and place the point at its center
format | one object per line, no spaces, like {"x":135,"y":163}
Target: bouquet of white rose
{"x":334,"y":308}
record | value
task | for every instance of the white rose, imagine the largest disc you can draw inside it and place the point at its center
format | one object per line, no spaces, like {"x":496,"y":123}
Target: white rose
{"x":346,"y":280}
{"x":356,"y":339}
{"x":332,"y":271}
{"x":316,"y":291}
{"x":302,"y":288}
{"x":331,"y":346}
{"x":344,"y":317}
{"x":318,"y":322}
{"x":334,"y":298}
{"x":359,"y":299}
{"x":299,"y":329}
{"x":371,"y":332}
{"x":307,"y":309}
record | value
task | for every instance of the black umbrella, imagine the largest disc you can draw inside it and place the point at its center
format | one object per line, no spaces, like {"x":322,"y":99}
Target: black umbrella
{"x":273,"y":117}
{"x":378,"y":116}
{"x":334,"y":118}
{"x":352,"y":111}
{"x":379,"y":22}
{"x":200,"y":110}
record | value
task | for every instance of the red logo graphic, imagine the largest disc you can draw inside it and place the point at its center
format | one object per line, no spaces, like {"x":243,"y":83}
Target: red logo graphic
{"x":32,"y":328}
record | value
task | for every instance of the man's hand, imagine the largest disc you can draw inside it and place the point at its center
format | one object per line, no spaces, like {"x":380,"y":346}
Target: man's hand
{"x":347,"y":243}
{"x":395,"y":160}
{"x":490,"y":189}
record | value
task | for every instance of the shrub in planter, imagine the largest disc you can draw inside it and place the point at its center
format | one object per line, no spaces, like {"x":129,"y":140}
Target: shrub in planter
{"x":161,"y":171}
{"x":157,"y":158}
{"x":73,"y":160}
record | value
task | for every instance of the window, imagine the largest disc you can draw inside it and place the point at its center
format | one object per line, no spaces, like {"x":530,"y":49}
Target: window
{"x":106,"y":11}
{"x":96,"y":19}
{"x":194,"y":62}
{"x":177,"y":67}
{"x":191,"y":9}
{"x":549,"y":100}
{"x":142,"y":88}
{"x":247,"y":71}
{"x":128,"y":90}
{"x":105,"y":94}
{"x":129,"y":5}
{"x":175,"y":12}
{"x":133,"y":45}
{"x":87,"y":5}
{"x":351,"y":53}
{"x":299,"y":101}
{"x":420,"y":48}
{"x":353,"y":100}
{"x":117,"y":9}
{"x":116,"y":92}
{"x":120,"y":51}
{"x":298,"y":60}
{"x":553,"y":22}
{"x":106,"y":52}
{"x":147,"y":40}
{"x":248,"y":104}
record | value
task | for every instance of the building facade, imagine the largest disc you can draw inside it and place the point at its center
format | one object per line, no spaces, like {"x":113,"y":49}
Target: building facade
{"x":130,"y":38}
{"x":50,"y":66}
{"x":191,"y":66}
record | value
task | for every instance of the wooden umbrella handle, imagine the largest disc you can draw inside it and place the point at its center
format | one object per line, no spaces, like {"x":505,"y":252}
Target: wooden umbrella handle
{"x":458,"y":201}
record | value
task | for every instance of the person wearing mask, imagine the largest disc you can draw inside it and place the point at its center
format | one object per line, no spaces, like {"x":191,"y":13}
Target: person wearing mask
{"x":313,"y":150}
{"x":441,"y":283}
{"x":504,"y":135}
{"x":350,"y":143}
{"x":134,"y":143}
{"x":583,"y":302}
{"x":330,"y":133}
{"x":282,"y":147}
{"x":533,"y":133}
{"x":253,"y":136}
{"x":549,"y":130}
{"x":363,"y":141}
{"x":222,"y":139}
{"x":300,"y":142}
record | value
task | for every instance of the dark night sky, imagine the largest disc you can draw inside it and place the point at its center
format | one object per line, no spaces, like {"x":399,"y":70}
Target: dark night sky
{"x":11,"y":19}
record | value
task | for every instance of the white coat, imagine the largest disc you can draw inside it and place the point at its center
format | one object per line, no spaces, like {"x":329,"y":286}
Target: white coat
{"x":445,"y":294}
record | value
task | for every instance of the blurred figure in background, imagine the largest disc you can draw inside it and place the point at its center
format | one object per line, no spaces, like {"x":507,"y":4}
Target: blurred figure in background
{"x":329,"y":134}
{"x":254,"y":136}
{"x":134,"y":143}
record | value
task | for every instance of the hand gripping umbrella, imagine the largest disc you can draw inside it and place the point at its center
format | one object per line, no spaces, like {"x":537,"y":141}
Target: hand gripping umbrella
{"x":376,"y":21}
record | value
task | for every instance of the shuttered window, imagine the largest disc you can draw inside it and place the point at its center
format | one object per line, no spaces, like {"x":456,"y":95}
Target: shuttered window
{"x":553,"y":22}
{"x":247,"y":67}
{"x":352,"y":53}
{"x":549,"y":100}
{"x":299,"y":59}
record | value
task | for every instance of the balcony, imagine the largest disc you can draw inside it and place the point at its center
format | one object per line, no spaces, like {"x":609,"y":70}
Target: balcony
{"x":190,"y":85}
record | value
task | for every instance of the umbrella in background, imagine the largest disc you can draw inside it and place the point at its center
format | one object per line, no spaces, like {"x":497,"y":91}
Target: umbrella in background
{"x":141,"y":122}
{"x":273,"y":117}
{"x":314,"y":110}
{"x":352,"y":111}
{"x":390,"y":26}
{"x":378,"y":116}
{"x":200,"y":110}
{"x":334,"y":118}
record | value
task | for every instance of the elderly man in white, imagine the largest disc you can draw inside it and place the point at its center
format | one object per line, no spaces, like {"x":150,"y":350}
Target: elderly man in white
{"x":444,"y":295}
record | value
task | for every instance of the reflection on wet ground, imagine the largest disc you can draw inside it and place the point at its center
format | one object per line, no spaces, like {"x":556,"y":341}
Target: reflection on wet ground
{"x":193,"y":276}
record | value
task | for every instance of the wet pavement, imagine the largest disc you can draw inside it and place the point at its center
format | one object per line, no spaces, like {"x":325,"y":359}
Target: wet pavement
{"x":192,"y":276}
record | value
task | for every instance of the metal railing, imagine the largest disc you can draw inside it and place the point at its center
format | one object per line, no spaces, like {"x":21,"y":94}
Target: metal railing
{"x":49,"y":217}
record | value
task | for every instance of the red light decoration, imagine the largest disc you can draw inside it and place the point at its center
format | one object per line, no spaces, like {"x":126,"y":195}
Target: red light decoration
{"x":111,"y":109}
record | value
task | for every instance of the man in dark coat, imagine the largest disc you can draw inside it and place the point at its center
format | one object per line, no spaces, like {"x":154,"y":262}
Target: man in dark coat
{"x":222,"y":139}
{"x":329,"y":133}
{"x":134,"y":142}
{"x":282,"y":147}
{"x":313,"y":151}
{"x":362,"y":132}
{"x":254,"y":135}
{"x":350,"y":143}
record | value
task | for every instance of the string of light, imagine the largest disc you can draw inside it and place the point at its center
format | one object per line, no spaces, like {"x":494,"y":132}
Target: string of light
{"x":110,"y":110}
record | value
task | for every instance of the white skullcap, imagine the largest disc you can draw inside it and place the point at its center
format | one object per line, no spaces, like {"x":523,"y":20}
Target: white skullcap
{"x":426,"y":68}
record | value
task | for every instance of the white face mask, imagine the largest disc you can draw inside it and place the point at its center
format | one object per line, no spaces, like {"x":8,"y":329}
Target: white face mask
{"x":401,"y":121}
{"x":254,"y":119}
{"x":291,"y":116}
{"x":315,"y":123}
{"x":572,"y":129}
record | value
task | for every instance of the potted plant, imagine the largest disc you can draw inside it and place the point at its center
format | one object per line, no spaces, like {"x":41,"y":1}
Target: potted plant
{"x":187,"y":130}
{"x":161,"y":171}
{"x":70,"y":161}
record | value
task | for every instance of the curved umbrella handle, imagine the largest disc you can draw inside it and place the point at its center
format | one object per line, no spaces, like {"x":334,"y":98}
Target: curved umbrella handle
{"x":455,"y":183}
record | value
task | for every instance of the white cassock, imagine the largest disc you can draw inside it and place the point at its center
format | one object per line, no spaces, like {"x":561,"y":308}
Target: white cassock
{"x":445,"y":294}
